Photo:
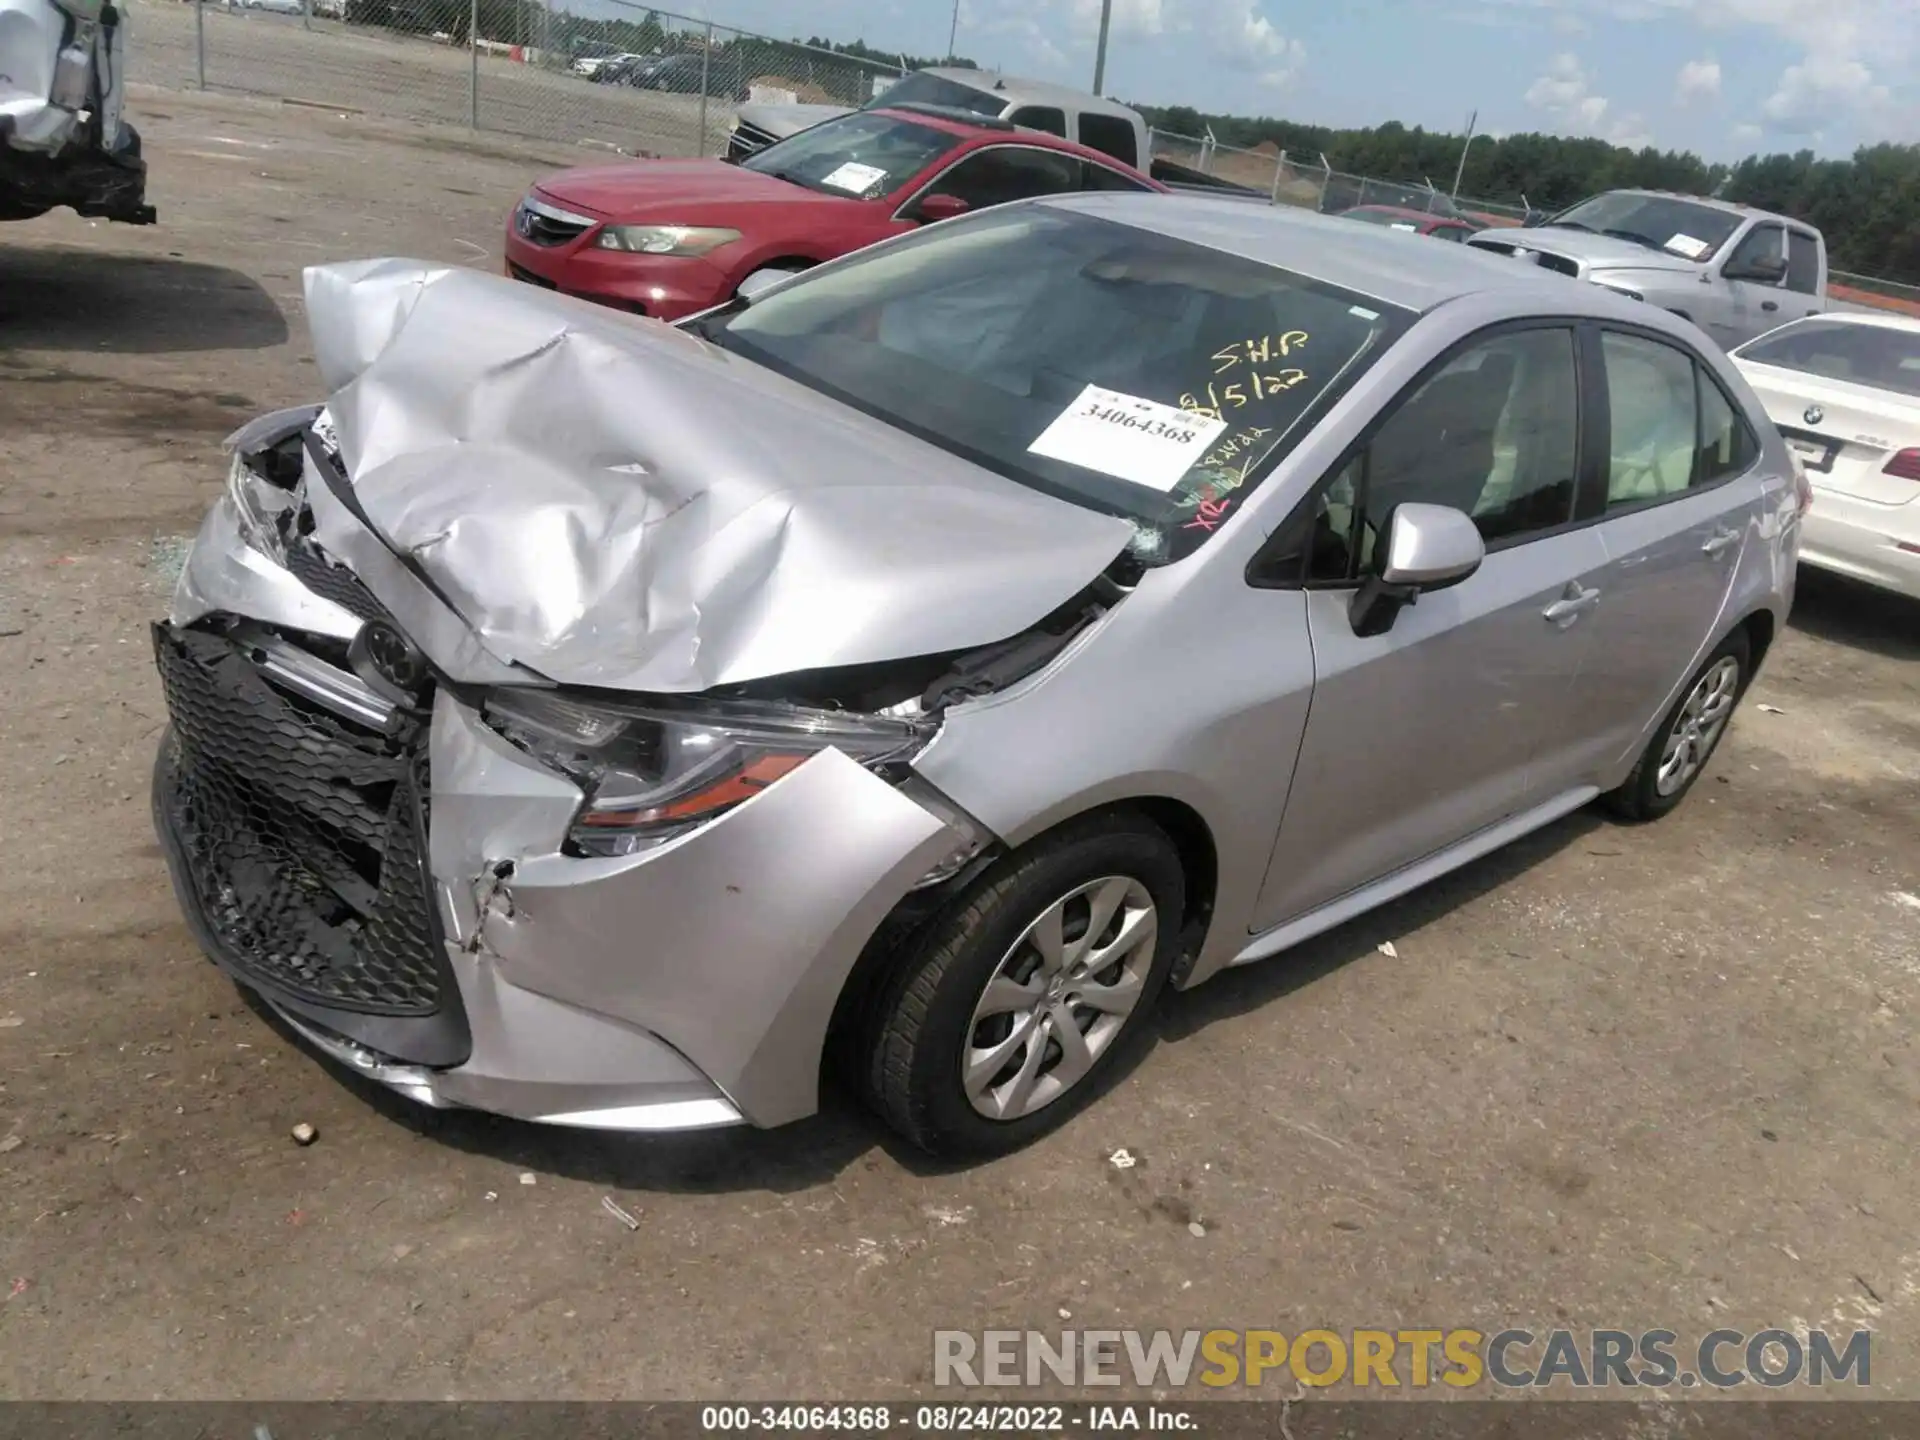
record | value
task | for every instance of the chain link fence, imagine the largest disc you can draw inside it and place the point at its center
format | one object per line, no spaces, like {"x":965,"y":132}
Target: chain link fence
{"x":628,"y":78}
{"x":1313,"y":184}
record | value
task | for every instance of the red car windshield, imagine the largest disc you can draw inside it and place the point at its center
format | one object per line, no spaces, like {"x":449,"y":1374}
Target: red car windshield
{"x":861,"y":155}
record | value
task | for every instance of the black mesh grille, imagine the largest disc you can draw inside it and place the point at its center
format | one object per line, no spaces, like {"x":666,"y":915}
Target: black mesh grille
{"x":333,"y":582}
{"x":301,"y":835}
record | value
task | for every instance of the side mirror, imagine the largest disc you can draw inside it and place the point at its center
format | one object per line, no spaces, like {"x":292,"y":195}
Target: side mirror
{"x":1426,"y":547}
{"x":1767,"y":269}
{"x":940,"y":207}
{"x":759,"y":282}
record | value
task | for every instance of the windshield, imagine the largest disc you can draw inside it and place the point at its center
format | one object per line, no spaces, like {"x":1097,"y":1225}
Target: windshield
{"x":1119,"y":369}
{"x":1659,"y":222}
{"x":1878,"y":355}
{"x":861,"y":155}
{"x":920,"y":88}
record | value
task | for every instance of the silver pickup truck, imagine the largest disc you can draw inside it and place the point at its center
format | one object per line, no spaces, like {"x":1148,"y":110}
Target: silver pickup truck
{"x":1104,"y":125}
{"x":62,"y":139}
{"x":1735,"y":272}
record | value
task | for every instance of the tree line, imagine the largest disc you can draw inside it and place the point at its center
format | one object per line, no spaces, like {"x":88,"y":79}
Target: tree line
{"x":1867,"y":205}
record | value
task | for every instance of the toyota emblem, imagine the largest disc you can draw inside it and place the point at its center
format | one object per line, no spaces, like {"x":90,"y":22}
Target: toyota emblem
{"x":388,"y":661}
{"x":1815,"y":415}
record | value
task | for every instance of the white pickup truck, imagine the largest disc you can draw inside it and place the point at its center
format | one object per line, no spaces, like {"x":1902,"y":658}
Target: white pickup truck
{"x":62,"y":84}
{"x":1735,"y":272}
{"x":1100,"y":124}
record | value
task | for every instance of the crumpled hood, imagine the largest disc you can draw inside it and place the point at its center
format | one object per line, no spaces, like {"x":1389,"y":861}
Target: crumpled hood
{"x":1595,"y":252}
{"x":783,"y":120}
{"x":609,"y":501}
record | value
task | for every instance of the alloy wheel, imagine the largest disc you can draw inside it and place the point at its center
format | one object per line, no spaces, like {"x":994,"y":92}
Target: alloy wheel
{"x":1696,"y":729}
{"x":1059,"y":997}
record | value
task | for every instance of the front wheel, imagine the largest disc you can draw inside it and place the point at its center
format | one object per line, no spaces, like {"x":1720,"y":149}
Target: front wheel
{"x":1688,"y":735}
{"x":1000,"y":1020}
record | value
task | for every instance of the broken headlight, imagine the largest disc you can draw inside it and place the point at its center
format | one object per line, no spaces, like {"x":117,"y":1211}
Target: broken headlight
{"x":258,"y":505}
{"x":653,"y":771}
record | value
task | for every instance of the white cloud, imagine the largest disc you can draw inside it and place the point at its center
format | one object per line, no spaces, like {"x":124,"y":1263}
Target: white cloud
{"x":1697,"y":80}
{"x":1565,"y":92}
{"x":1746,"y":132}
{"x":1819,"y":90}
{"x":1247,"y":37}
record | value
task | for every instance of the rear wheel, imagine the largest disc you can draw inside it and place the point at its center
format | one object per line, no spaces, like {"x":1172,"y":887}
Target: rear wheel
{"x":1001,"y":1020}
{"x":1688,"y":735}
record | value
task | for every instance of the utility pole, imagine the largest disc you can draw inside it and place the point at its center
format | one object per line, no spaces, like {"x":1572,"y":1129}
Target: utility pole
{"x":1465,"y":146}
{"x":953,"y":29}
{"x":1100,"y":50}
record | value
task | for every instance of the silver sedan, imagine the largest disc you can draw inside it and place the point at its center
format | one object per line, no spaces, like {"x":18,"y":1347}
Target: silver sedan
{"x":923,"y":663}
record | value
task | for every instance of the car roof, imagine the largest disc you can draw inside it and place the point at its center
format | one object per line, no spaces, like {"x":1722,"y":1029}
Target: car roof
{"x":1017,"y":90}
{"x":1370,"y":260}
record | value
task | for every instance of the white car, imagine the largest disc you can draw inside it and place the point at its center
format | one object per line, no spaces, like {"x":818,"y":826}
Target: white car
{"x":1844,"y":391}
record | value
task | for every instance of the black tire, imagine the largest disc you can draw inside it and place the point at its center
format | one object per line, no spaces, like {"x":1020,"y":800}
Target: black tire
{"x":923,"y":1018}
{"x":1639,"y":799}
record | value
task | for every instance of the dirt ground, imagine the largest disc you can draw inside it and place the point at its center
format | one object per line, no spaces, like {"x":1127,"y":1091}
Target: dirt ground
{"x":1627,"y":1077}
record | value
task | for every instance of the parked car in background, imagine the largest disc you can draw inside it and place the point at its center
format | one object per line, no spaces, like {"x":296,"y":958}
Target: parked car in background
{"x":669,"y":237}
{"x":924,"y":663}
{"x":592,"y":56}
{"x":1844,"y":390}
{"x":625,"y":69}
{"x":719,"y":75}
{"x":275,"y":7}
{"x":1417,"y":222}
{"x":1105,"y":125}
{"x":1734,"y":271}
{"x":1341,"y":193}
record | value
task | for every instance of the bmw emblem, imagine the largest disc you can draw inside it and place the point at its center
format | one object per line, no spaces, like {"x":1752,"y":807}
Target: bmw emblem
{"x":1814,"y":415}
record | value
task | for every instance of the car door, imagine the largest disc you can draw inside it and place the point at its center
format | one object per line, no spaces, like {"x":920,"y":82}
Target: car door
{"x":1421,"y":736}
{"x":1683,"y":498}
{"x":1751,"y":304}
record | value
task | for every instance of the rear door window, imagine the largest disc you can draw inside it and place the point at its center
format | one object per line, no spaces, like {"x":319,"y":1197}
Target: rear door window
{"x":1672,"y":427}
{"x":1110,"y":135}
{"x":1803,"y":263}
{"x":1000,"y":173}
{"x":1041,"y":117}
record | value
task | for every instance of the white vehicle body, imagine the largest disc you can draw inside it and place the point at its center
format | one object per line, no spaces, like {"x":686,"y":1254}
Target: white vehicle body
{"x":1105,"y":125}
{"x":62,"y":86}
{"x":1844,"y":391}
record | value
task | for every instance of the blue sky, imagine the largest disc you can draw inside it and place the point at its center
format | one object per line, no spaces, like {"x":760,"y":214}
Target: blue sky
{"x":1722,"y":77}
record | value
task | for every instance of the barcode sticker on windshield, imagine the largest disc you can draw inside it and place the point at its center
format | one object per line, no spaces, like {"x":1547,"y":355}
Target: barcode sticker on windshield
{"x":1128,"y":437}
{"x":854,"y":177}
{"x":1688,"y":246}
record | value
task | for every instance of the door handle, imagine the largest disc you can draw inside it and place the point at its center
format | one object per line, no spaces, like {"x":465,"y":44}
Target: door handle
{"x":1718,"y":543}
{"x":1769,"y":305}
{"x":1575,"y":602}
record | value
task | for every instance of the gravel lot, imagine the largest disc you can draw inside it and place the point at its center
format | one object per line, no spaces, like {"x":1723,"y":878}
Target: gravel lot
{"x":335,"y":67}
{"x":1634,"y":1077}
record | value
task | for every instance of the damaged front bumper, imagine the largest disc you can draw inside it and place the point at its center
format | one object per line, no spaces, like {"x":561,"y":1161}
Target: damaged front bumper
{"x":395,"y":879}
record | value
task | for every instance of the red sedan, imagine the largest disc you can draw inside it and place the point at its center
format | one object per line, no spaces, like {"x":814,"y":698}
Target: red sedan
{"x":668,"y":238}
{"x":1419,"y":222}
